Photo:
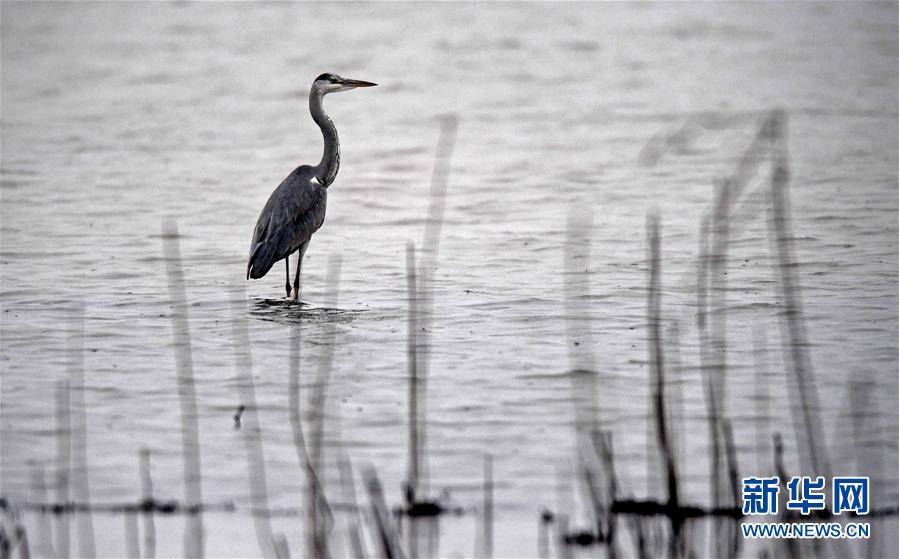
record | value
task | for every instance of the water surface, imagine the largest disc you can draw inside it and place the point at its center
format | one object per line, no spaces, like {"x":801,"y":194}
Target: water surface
{"x":118,"y":116}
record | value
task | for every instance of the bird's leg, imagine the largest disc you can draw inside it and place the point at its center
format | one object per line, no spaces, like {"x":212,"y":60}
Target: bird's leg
{"x":287,"y":264}
{"x":296,"y":280}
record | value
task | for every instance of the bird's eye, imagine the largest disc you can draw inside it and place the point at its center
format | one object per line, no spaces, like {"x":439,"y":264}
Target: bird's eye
{"x":332,"y":80}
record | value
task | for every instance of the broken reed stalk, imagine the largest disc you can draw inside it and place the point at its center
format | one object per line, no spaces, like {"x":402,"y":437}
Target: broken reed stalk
{"x":543,"y":530}
{"x":657,"y":367}
{"x":706,"y":366}
{"x":420,"y":299}
{"x":598,"y":504}
{"x":602,"y":444}
{"x":296,"y":426}
{"x":63,"y":461}
{"x":132,"y":538}
{"x":582,"y":364}
{"x":146,"y":484}
{"x":674,"y":395}
{"x":314,"y":494}
{"x":762,"y":405}
{"x":733,"y":474}
{"x":16,"y":541}
{"x":324,"y":370}
{"x":816,"y":460}
{"x":577,"y":318}
{"x":446,"y":142}
{"x":412,"y":363}
{"x":638,"y":529}
{"x":282,"y":549}
{"x":80,"y":479}
{"x":866,"y":413}
{"x":44,"y":543}
{"x":412,"y":484}
{"x":318,"y":507}
{"x":737,"y":180}
{"x":187,"y":395}
{"x":488,"y":507}
{"x":449,"y":125}
{"x":564,"y":503}
{"x":293,"y":397}
{"x":385,"y":534}
{"x":712,"y":319}
{"x":563,"y":550}
{"x":22,"y":541}
{"x":427,"y":265}
{"x":791,"y":546}
{"x":348,"y":487}
{"x":681,"y":138}
{"x":252,"y":431}
{"x":718,"y":340}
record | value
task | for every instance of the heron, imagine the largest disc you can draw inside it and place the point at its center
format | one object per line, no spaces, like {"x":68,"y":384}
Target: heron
{"x":296,"y":209}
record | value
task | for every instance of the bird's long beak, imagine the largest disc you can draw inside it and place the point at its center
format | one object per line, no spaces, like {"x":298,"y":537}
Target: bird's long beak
{"x":357,"y":83}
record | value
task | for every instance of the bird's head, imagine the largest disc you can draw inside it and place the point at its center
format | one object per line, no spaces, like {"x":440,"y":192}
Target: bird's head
{"x":330,"y":83}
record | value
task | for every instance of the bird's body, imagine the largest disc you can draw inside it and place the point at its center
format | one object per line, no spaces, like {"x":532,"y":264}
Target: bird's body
{"x":296,"y":209}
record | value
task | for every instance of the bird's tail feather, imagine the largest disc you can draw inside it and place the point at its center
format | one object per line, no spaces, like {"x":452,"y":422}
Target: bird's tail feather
{"x":262,"y":258}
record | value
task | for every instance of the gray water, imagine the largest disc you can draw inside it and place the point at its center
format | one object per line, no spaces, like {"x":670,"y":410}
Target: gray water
{"x":116,"y":117}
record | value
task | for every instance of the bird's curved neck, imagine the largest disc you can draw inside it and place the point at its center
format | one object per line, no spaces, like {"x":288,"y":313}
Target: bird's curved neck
{"x":326,"y":170}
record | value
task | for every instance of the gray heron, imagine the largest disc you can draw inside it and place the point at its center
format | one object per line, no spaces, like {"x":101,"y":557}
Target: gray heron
{"x":296,"y":209}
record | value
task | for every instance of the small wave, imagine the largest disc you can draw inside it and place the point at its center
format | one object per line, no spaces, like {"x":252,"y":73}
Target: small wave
{"x":292,"y":312}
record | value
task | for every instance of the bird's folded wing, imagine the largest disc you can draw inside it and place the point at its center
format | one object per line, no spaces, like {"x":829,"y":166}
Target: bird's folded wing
{"x":288,"y":220}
